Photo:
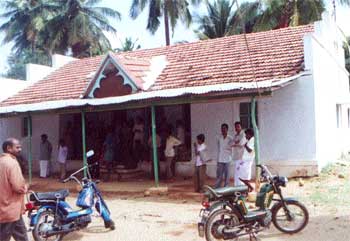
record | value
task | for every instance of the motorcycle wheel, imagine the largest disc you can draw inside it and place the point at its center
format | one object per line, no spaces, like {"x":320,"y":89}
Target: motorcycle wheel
{"x":293,"y":223}
{"x":219,"y":220}
{"x":45,"y":221}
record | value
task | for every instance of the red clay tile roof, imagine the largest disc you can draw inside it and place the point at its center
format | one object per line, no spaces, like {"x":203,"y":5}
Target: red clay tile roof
{"x":274,"y":54}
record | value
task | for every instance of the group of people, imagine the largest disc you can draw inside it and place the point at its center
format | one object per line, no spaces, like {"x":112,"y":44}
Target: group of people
{"x":238,"y":147}
{"x":125,"y":144}
{"x":132,"y":143}
{"x":45,"y":156}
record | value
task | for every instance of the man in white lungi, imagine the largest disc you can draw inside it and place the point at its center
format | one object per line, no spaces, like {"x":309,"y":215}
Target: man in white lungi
{"x":243,"y":168}
{"x":45,"y":156}
{"x":238,"y":143}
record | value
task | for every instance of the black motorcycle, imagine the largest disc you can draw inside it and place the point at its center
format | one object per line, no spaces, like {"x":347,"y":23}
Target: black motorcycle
{"x":225,"y":216}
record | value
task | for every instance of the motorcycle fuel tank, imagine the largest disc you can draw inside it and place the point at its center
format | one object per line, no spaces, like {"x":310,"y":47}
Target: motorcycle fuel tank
{"x":86,"y":198}
{"x":264,"y":197}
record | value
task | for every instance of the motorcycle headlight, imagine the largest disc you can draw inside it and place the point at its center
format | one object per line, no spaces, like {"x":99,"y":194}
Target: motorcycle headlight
{"x":283,"y":181}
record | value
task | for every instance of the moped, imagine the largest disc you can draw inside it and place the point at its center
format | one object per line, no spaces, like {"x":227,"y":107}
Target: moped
{"x":225,"y":215}
{"x":51,"y":217}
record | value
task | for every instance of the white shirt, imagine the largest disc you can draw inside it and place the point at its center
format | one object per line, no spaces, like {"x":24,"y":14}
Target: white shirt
{"x":62,"y":154}
{"x":238,"y":150}
{"x":170,"y":143}
{"x":246,"y":155}
{"x":225,"y":149}
{"x":200,"y":148}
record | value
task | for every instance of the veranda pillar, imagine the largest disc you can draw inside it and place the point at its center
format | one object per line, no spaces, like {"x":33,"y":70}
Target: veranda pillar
{"x":256,"y":141}
{"x":154,"y":145}
{"x":83,"y":134}
{"x":29,"y":128}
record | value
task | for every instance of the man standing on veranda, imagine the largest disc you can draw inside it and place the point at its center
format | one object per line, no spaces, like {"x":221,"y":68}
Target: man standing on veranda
{"x":238,"y":145}
{"x":224,"y":156}
{"x":45,"y":156}
{"x":12,"y":190}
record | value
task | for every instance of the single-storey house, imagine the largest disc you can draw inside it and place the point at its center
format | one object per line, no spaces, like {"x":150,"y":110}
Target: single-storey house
{"x":296,"y":75}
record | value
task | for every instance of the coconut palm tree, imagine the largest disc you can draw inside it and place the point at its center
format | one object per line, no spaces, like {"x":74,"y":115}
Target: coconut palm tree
{"x":170,"y":10}
{"x":284,"y":13}
{"x":79,"y":25}
{"x":224,"y":18}
{"x":128,"y":45}
{"x":24,"y":20}
{"x":57,"y":25}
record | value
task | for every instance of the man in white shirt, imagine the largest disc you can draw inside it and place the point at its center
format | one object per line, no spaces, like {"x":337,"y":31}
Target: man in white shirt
{"x":200,"y":163}
{"x":224,"y":156}
{"x":243,"y":168}
{"x":169,"y":153}
{"x":62,"y":158}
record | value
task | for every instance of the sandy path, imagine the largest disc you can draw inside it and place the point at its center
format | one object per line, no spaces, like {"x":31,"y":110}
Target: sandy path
{"x":148,"y":220}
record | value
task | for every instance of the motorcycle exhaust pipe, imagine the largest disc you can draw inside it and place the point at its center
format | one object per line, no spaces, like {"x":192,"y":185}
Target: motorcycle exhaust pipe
{"x":63,"y":231}
{"x":227,"y":235}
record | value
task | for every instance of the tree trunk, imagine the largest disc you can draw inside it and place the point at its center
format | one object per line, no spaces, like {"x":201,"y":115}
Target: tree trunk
{"x":166,"y":23}
{"x":287,"y":12}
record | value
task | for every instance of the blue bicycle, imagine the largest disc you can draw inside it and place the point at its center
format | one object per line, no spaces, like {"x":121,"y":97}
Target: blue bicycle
{"x":51,"y":217}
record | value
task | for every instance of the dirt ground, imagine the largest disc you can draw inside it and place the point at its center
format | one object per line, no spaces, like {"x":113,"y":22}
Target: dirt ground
{"x":174,"y":217}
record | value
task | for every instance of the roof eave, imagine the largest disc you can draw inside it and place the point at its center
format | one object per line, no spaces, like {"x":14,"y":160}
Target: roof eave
{"x":235,"y":89}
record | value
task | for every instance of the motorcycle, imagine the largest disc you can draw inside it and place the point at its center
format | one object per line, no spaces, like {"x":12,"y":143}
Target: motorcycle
{"x":51,"y":217}
{"x":225,"y":215}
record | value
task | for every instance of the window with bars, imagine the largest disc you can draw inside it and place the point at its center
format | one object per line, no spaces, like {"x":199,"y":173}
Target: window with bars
{"x":245,"y":115}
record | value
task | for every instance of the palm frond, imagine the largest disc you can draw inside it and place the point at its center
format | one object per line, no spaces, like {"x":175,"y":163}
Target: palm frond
{"x":137,"y":6}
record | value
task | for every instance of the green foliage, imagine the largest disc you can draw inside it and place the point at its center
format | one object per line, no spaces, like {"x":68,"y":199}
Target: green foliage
{"x":128,"y":45}
{"x":278,"y":14}
{"x":58,"y":25}
{"x":224,"y":19}
{"x":332,"y":189}
{"x":173,"y":10}
{"x":18,"y":62}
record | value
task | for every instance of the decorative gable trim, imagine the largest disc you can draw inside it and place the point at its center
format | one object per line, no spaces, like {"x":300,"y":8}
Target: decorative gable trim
{"x":104,"y":73}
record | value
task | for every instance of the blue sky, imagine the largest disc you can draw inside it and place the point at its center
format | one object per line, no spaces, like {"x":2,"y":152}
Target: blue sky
{"x":137,"y":29}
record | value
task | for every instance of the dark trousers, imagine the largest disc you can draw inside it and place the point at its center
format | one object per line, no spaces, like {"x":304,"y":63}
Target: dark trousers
{"x":16,"y":229}
{"x":222,"y":173}
{"x":199,"y":177}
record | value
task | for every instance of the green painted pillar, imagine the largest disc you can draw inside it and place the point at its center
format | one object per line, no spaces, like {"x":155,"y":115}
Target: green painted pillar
{"x":83,"y":140}
{"x":29,"y":127}
{"x":256,"y":140}
{"x":154,"y":145}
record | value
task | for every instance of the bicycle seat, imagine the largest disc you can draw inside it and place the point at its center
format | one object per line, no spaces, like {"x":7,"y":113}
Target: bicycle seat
{"x":52,"y":196}
{"x":225,"y":191}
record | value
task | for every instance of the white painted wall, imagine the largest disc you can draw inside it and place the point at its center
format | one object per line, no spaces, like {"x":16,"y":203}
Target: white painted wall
{"x":48,"y":124}
{"x":10,"y":87}
{"x":207,"y":119}
{"x":36,"y":72}
{"x":325,"y":56}
{"x":286,"y":123}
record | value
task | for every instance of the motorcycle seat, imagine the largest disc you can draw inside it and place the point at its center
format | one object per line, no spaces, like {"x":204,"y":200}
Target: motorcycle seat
{"x":229,"y":191}
{"x":225,"y":191}
{"x":52,"y":196}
